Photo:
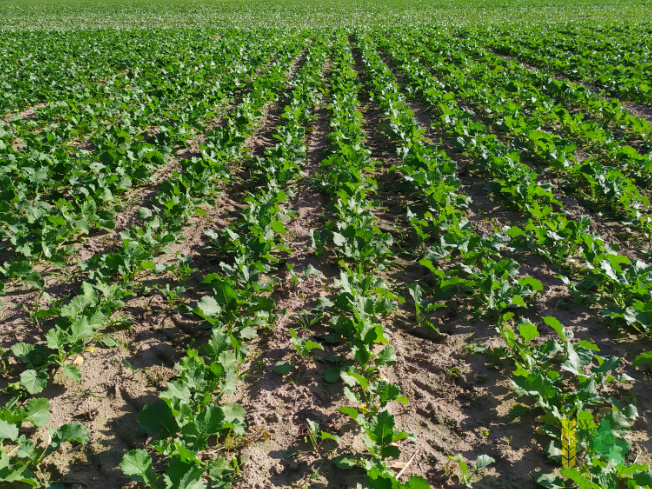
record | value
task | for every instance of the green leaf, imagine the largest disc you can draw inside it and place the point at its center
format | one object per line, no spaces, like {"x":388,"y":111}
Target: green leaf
{"x":618,"y":422}
{"x":248,"y":333}
{"x":338,"y":239}
{"x":182,"y":475}
{"x":108,"y":342}
{"x":382,"y":428}
{"x":643,"y":479}
{"x":207,"y":307}
{"x":234,"y":416}
{"x":327,"y":436}
{"x":12,"y":472}
{"x":416,"y":482}
{"x":313,"y":426}
{"x":283,"y":368}
{"x":312,"y":345}
{"x":604,"y":443}
{"x":379,"y":479}
{"x":642,"y":359}
{"x":33,"y":381}
{"x":528,"y":331}
{"x":519,"y":410}
{"x":68,"y":432}
{"x":533,"y":283}
{"x":332,"y":375}
{"x":556,"y":325}
{"x":310,"y":270}
{"x":551,"y":481}
{"x":387,"y":392}
{"x":38,"y":412}
{"x":386,"y":357}
{"x":353,"y":412}
{"x":177,"y":393}
{"x":578,"y":478}
{"x":277,"y":227}
{"x":290,"y":453}
{"x":34,"y":279}
{"x":157,"y":418}
{"x":483,"y":461}
{"x":144,"y":213}
{"x":72,"y":372}
{"x":206,"y":423}
{"x":517,"y":300}
{"x":137,"y":465}
{"x":8,"y":431}
{"x":224,"y":294}
{"x":345,"y":462}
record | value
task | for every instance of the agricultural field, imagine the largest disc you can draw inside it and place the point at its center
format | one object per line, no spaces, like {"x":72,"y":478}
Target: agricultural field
{"x":373,"y":245}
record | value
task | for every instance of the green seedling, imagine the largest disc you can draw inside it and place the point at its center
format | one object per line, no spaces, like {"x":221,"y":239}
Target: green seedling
{"x":303,"y":346}
{"x":307,"y":319}
{"x":22,"y":458}
{"x":316,"y":437}
{"x":465,"y":475}
{"x":173,"y":296}
{"x":38,"y":312}
{"x":422,"y":306}
{"x":125,"y":363}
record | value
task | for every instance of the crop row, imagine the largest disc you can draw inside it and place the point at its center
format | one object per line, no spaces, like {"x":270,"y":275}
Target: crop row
{"x":590,"y":264}
{"x":70,"y":328}
{"x":555,"y":373}
{"x":517,"y":128}
{"x":617,"y":61}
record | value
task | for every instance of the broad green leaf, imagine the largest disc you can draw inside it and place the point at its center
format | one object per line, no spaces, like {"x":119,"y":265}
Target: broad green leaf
{"x":283,"y":368}
{"x":182,"y":475}
{"x":332,"y":375}
{"x":642,"y":359}
{"x":278,"y":227}
{"x":33,"y":381}
{"x":312,"y":345}
{"x":345,"y":462}
{"x":381,"y":428}
{"x":386,"y":357}
{"x":517,"y":300}
{"x":8,"y":431}
{"x":224,"y":294}
{"x":528,"y":331}
{"x":533,"y":283}
{"x":12,"y":472}
{"x":574,"y":475}
{"x":483,"y":461}
{"x":416,"y":482}
{"x":328,"y":436}
{"x":310,"y":270}
{"x":607,"y":445}
{"x":556,"y":325}
{"x":207,"y":307}
{"x":72,"y":372}
{"x":339,"y":240}
{"x":144,"y":213}
{"x":38,"y":412}
{"x":313,"y":425}
{"x":157,"y":418}
{"x":68,"y":432}
{"x":137,"y":465}
{"x":206,"y":423}
{"x":551,"y":481}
